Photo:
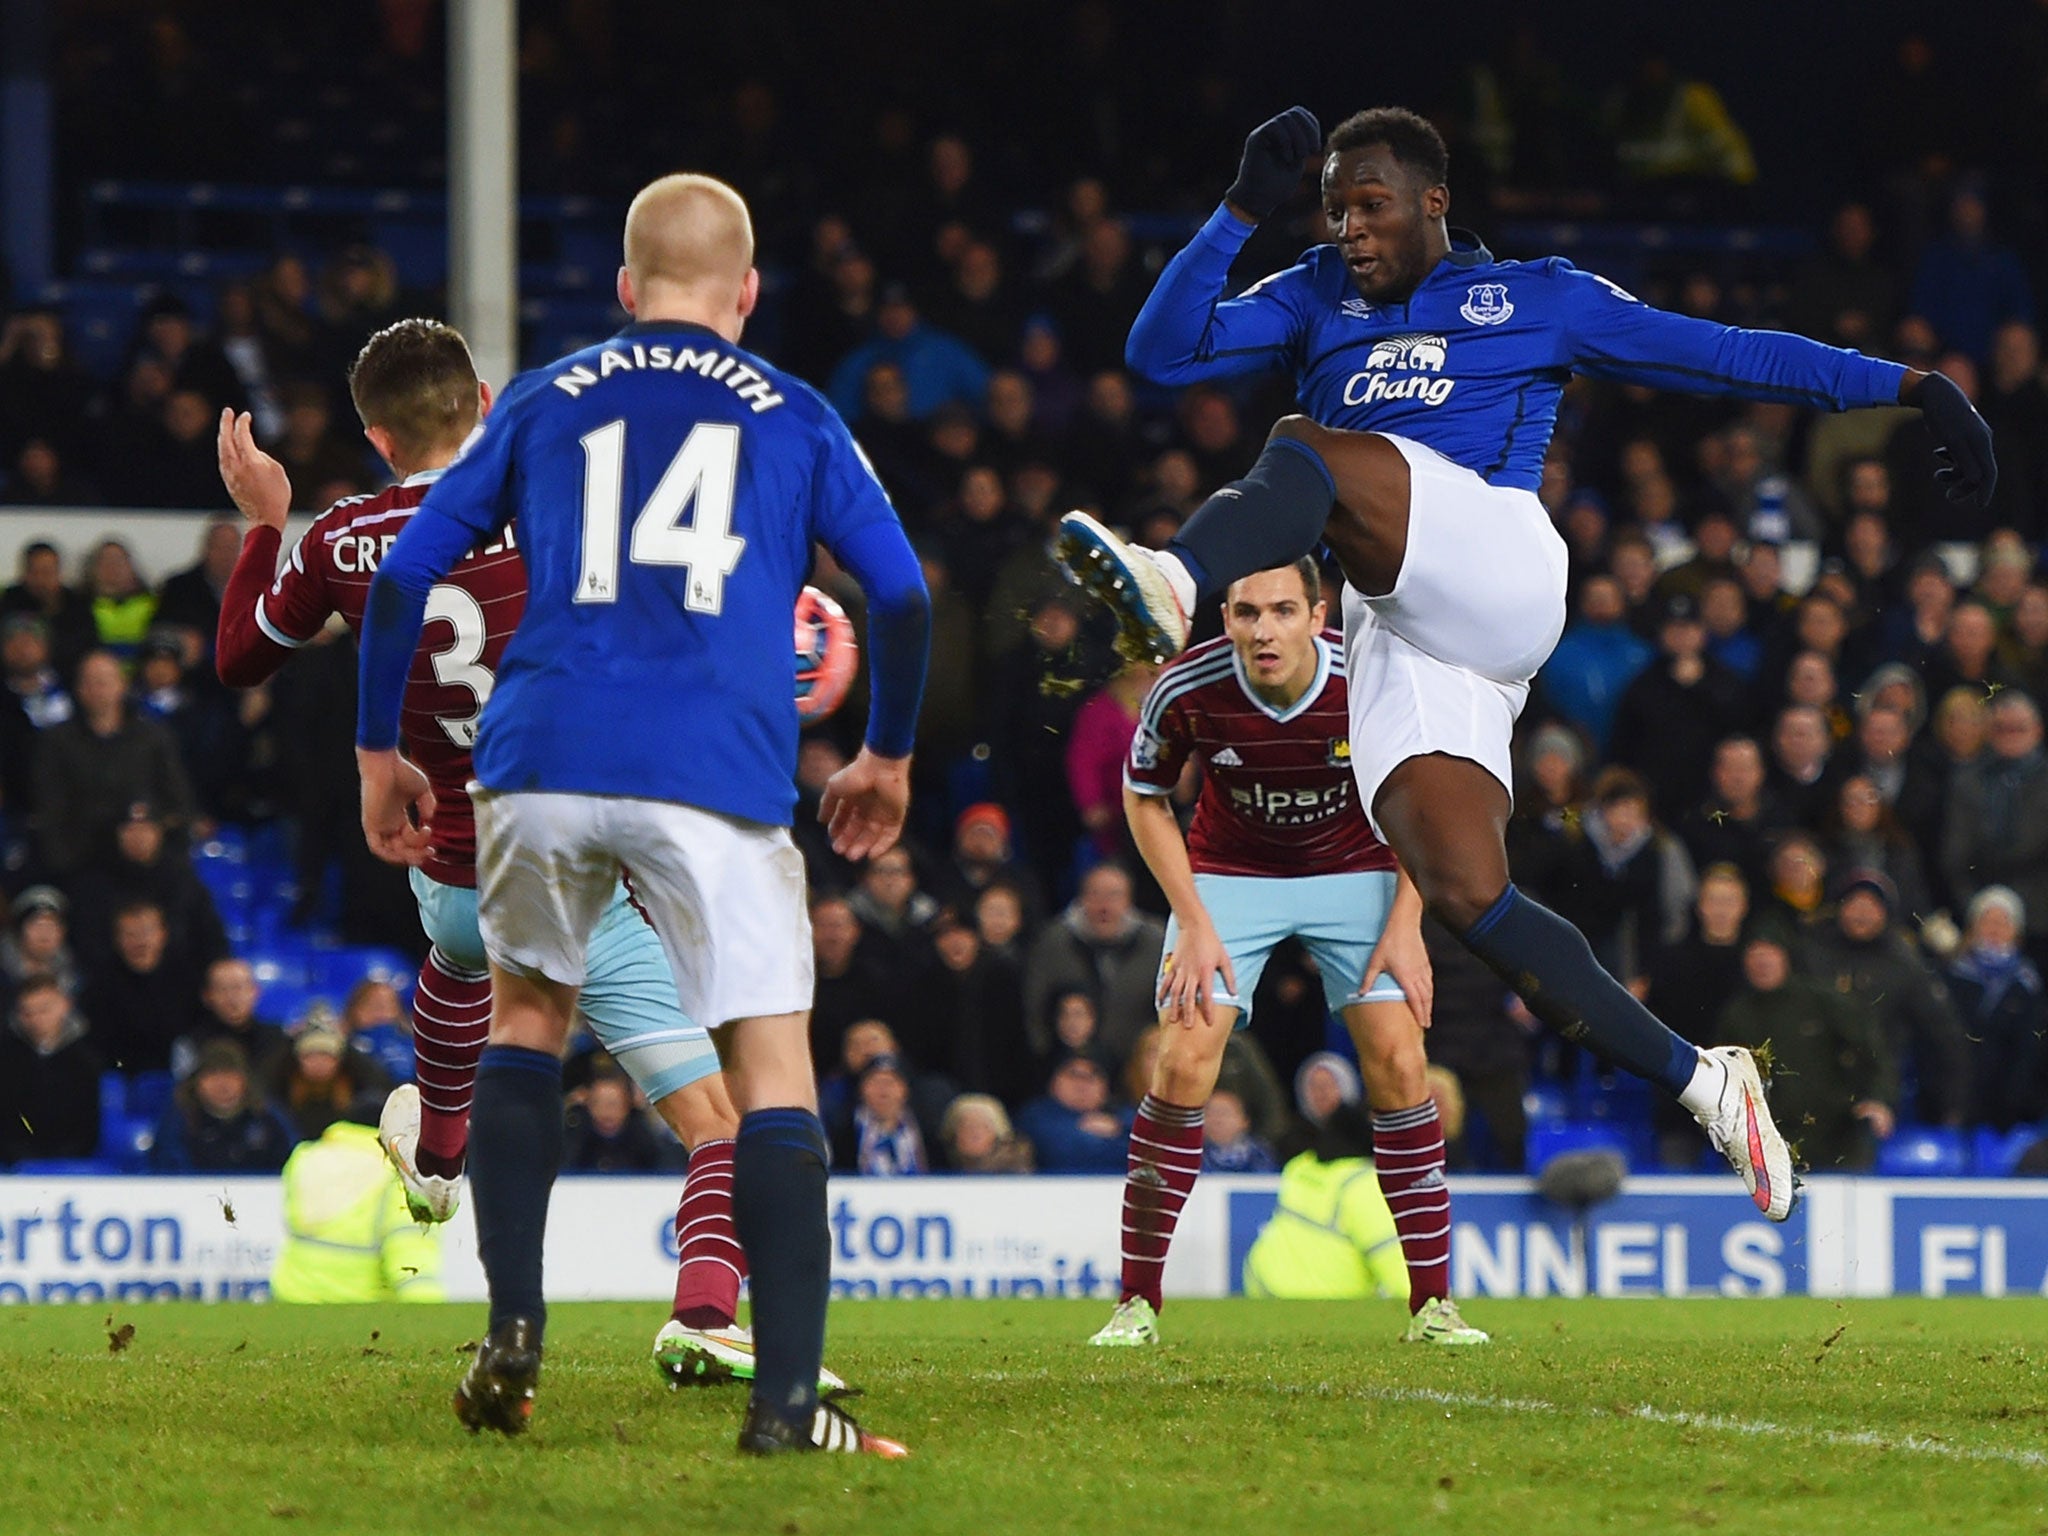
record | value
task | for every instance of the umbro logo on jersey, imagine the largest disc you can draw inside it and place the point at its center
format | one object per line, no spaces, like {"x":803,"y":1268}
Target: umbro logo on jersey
{"x":1357,"y":309}
{"x":1486,"y":304}
{"x":1227,"y":758}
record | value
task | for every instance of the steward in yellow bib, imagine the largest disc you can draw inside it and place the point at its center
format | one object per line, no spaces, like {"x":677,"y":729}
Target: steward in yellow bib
{"x":1332,"y":1236}
{"x":348,"y":1235}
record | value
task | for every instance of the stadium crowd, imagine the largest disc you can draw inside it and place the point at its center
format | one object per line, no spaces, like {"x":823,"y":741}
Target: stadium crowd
{"x":1785,"y":769}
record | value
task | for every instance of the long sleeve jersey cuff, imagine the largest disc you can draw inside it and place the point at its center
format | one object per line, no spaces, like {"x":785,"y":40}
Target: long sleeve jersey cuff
{"x":1881,"y":382}
{"x":1226,"y":230}
{"x":899,"y":631}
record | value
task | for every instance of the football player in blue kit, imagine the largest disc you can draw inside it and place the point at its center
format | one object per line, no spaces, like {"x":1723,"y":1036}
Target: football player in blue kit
{"x":1430,"y":373}
{"x":669,"y":489}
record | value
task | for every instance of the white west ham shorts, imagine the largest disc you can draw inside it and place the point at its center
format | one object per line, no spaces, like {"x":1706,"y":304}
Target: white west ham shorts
{"x":724,"y":896}
{"x":1442,"y":663}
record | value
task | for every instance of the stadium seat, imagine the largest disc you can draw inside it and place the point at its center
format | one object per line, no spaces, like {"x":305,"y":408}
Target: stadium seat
{"x":59,"y":1167}
{"x":1997,"y":1153}
{"x":282,"y":963}
{"x":1544,"y":1103}
{"x":1552,"y":1138}
{"x":1924,"y":1151}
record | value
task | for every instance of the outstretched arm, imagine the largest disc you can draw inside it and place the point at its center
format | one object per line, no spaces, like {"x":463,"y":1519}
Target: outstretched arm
{"x":1612,"y":334}
{"x":1188,"y":330}
{"x":248,"y":644}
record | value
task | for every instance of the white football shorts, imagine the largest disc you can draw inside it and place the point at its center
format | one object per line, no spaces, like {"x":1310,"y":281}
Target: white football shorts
{"x":1442,"y":663}
{"x":725,"y":896}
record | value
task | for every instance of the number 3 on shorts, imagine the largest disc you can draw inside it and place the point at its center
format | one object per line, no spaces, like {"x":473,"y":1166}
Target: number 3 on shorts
{"x":704,"y":471}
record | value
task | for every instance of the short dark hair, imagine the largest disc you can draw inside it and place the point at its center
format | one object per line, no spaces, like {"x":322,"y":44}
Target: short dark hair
{"x":1310,"y":573}
{"x":1409,"y":136}
{"x":415,"y":379}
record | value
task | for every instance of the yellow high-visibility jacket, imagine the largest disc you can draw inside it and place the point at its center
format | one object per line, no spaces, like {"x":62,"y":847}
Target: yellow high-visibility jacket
{"x":348,"y":1235}
{"x":1332,"y":1236}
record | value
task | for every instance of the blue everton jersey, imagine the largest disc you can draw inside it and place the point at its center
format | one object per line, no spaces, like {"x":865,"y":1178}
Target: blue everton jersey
{"x":668,"y":487}
{"x":1472,"y":363}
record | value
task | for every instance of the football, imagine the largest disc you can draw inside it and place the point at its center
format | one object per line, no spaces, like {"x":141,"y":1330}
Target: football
{"x":826,"y":656}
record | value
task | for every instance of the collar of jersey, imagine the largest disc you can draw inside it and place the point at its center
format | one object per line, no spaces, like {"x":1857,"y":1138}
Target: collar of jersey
{"x":1309,"y":694}
{"x":425,"y":476}
{"x":647,"y":327}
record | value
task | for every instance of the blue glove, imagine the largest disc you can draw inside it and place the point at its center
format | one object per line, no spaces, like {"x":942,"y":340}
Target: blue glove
{"x":1962,"y":440}
{"x":1273,"y":158}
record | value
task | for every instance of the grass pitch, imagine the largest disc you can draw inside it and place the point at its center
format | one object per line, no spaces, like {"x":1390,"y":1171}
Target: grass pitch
{"x":1796,"y":1415}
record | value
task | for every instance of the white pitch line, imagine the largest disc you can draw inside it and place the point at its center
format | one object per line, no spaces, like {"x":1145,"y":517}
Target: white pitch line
{"x":1862,"y":1439}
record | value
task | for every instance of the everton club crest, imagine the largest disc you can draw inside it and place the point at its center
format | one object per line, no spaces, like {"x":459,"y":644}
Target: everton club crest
{"x":1486,"y":304}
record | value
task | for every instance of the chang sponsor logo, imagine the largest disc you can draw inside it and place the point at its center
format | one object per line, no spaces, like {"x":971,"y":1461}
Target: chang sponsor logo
{"x":1404,"y":367}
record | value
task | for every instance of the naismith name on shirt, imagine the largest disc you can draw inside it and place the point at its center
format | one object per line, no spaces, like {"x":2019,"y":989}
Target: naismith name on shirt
{"x":710,"y":362}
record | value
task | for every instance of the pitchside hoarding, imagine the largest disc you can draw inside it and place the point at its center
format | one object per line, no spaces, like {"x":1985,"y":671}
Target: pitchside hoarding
{"x":141,"y":1239}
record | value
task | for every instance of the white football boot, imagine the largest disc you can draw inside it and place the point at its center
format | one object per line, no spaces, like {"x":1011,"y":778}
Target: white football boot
{"x":430,"y":1198}
{"x":705,"y":1356}
{"x":1437,"y":1321}
{"x":1132,"y":1325}
{"x":1152,"y":618}
{"x":1740,"y":1127}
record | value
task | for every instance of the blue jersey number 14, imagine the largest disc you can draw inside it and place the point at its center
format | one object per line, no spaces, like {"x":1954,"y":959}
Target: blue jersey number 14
{"x":704,"y":472}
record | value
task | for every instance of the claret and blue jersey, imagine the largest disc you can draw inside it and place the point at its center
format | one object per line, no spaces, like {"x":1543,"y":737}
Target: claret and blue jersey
{"x":1473,"y":362}
{"x":668,"y":488}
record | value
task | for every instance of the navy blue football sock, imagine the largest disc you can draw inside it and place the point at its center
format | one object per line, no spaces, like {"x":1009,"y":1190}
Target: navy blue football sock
{"x":1273,"y":516}
{"x":778,"y":1206}
{"x":515,"y":1150}
{"x":1548,"y":962}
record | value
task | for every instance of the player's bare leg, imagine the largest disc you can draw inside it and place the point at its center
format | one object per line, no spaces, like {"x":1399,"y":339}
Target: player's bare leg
{"x":1446,"y":817}
{"x":1408,"y":1158}
{"x":1165,"y":1158}
{"x":702,"y":1342}
{"x":515,"y":1151}
{"x":779,"y":1162}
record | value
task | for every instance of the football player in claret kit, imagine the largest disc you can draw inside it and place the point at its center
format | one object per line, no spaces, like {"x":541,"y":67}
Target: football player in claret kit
{"x":668,"y":490}
{"x":1431,"y":374}
{"x":416,"y":390}
{"x":1278,"y":848}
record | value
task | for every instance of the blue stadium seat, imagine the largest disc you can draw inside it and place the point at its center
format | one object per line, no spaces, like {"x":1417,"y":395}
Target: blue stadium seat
{"x":1924,"y":1151}
{"x":1553,"y":1138}
{"x":148,"y":1093}
{"x":59,"y":1167}
{"x":1999,"y":1152}
{"x":282,"y":962}
{"x":1544,"y":1103}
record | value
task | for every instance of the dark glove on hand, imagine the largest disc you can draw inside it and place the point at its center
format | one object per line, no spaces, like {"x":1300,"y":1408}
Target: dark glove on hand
{"x":1273,"y":158}
{"x":1962,"y":440}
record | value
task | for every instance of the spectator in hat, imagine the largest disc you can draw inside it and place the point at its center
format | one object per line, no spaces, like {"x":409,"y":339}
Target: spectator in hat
{"x":1864,"y":956}
{"x":38,"y":945}
{"x":322,"y":1076}
{"x":218,"y":1122}
{"x":91,"y":769}
{"x":1674,"y":711}
{"x":140,"y":997}
{"x":983,"y":855}
{"x":2004,"y":1010}
{"x":1547,"y":798}
{"x":41,"y":593}
{"x":1075,"y":1126}
{"x":978,"y":1138}
{"x":938,"y":368}
{"x":1996,"y":828}
{"x":202,"y":720}
{"x":49,"y":1077}
{"x":1864,"y":833}
{"x":1833,"y":1078}
{"x":878,"y":1134}
{"x":228,"y":1001}
{"x":142,"y":869}
{"x":608,"y":1133}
